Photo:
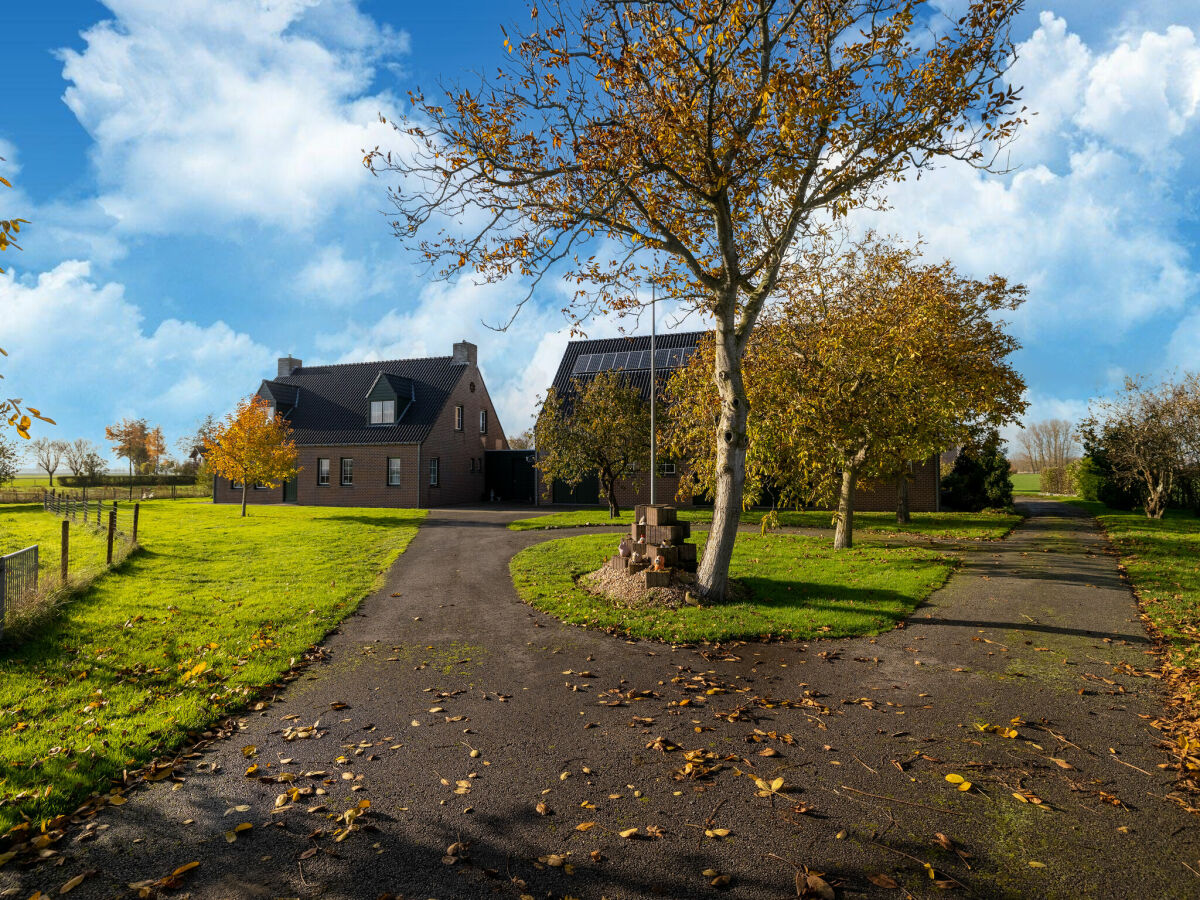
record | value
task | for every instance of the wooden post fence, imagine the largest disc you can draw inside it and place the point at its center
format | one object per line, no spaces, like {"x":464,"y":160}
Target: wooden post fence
{"x":112,"y":530}
{"x":66,"y":548}
{"x":136,"y":508}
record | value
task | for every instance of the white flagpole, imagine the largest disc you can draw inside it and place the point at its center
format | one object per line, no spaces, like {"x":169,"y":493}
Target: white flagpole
{"x":653,"y":392}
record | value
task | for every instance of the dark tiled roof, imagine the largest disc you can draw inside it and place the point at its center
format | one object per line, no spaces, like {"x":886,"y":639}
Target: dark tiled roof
{"x":567,"y":380}
{"x":282,"y":395}
{"x":332,"y":405}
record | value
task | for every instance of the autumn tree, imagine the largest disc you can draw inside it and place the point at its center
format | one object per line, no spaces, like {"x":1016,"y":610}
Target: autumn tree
{"x":694,"y":143}
{"x":869,"y":362}
{"x":156,"y":449}
{"x":1149,"y":436}
{"x":601,"y":428}
{"x":11,"y":409}
{"x":252,"y":447}
{"x":48,"y":454}
{"x":523,"y":441}
{"x":129,"y":438}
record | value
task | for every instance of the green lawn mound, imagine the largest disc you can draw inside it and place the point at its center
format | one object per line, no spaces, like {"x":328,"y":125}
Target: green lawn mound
{"x":987,"y":525}
{"x":788,"y":586}
{"x":213,"y":608}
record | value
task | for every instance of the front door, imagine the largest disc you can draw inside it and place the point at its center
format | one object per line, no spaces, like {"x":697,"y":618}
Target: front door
{"x":289,"y":491}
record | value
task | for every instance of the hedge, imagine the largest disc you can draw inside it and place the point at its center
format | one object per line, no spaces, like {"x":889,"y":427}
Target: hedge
{"x":123,"y":480}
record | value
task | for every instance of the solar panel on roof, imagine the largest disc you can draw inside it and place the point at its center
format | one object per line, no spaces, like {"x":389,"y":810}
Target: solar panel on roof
{"x":581,"y":363}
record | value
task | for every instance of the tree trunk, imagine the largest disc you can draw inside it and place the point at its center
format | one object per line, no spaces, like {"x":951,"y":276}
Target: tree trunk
{"x":610,"y":494}
{"x":243,"y":498}
{"x":903,"y":517}
{"x":1156,"y":504}
{"x":843,"y":537}
{"x":712,"y":578}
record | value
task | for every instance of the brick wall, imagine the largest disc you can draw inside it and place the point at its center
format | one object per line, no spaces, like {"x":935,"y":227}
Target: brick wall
{"x":876,"y":496}
{"x":455,"y":449}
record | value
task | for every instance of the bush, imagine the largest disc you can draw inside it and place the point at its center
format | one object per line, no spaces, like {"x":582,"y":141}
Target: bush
{"x":1089,"y":478}
{"x":123,"y":480}
{"x":1051,"y":480}
{"x":979,"y":480}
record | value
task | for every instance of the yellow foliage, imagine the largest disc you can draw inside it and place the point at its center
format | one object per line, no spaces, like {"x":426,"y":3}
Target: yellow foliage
{"x":252,"y":447}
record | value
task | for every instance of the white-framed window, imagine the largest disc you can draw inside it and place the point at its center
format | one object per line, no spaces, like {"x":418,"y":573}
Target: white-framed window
{"x":666,"y":468}
{"x":259,"y":486}
{"x":483,"y":421}
{"x":458,"y":418}
{"x":434,"y":471}
{"x":235,"y":485}
{"x":347,"y":470}
{"x":271,"y":413}
{"x":323,"y":471}
{"x":383,"y":412}
{"x":393,"y":471}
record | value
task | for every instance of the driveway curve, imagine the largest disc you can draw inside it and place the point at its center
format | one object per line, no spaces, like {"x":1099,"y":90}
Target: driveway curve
{"x":486,"y":736}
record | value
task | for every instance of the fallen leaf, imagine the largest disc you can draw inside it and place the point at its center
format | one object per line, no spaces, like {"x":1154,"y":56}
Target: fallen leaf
{"x":883,"y":881}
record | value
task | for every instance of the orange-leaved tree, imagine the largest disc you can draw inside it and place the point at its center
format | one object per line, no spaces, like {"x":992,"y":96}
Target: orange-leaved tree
{"x":694,"y":143}
{"x":252,"y":447}
{"x":10,"y":407}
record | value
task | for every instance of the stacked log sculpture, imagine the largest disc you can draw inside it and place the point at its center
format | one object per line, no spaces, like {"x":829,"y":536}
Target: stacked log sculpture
{"x":656,"y":546}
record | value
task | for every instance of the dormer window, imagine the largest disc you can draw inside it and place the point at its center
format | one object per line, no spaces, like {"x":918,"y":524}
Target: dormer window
{"x":271,"y":413}
{"x":383,"y":412}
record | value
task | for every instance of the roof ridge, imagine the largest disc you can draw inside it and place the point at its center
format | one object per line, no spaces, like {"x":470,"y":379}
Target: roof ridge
{"x":369,"y":362}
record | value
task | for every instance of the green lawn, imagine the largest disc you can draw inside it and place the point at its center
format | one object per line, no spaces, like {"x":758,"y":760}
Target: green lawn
{"x":966,"y":526}
{"x":799,"y":587}
{"x":213,"y":607}
{"x":1162,"y":558}
{"x":1026,"y":483}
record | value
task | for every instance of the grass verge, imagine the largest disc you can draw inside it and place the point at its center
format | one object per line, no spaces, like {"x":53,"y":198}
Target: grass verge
{"x":1162,"y":559}
{"x":211,"y":609}
{"x":961,"y":526}
{"x":799,"y":588}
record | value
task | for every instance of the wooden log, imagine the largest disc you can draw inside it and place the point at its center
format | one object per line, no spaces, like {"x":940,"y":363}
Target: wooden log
{"x":657,"y":579}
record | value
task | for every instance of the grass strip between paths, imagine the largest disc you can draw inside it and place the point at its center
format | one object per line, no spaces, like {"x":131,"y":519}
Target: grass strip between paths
{"x":1162,"y":559}
{"x":800,"y":588}
{"x":961,"y":526}
{"x":211,"y":609}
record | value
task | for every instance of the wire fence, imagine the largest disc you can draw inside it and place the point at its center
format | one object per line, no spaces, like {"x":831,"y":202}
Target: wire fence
{"x":18,"y":579}
{"x":120,"y":520}
{"x":108,"y":492}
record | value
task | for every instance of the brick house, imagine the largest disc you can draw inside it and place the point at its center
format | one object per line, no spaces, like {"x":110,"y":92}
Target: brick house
{"x":401,"y":432}
{"x":631,"y":355}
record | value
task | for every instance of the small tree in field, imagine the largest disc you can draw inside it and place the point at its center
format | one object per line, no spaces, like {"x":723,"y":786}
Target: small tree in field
{"x":695,"y":143}
{"x":603,"y":429}
{"x":49,"y":455}
{"x":251,"y":447}
{"x":129,"y":438}
{"x":1150,"y":437}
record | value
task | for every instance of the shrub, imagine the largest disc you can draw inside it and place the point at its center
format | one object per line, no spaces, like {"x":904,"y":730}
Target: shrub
{"x":980,"y":479}
{"x":1089,"y":478}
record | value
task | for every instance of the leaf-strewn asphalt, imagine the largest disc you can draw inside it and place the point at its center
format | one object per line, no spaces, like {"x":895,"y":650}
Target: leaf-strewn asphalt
{"x":456,"y":710}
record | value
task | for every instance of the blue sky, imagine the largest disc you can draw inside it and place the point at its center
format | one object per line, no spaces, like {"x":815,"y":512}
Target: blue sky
{"x":192,"y":172}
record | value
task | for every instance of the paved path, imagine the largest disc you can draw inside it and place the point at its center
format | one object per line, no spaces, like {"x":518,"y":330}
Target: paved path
{"x":445,"y":659}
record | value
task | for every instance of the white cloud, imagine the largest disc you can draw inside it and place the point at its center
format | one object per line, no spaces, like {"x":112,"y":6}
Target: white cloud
{"x":1091,"y":223}
{"x":207,"y":113}
{"x":337,"y":280}
{"x":80,"y":350}
{"x":1145,"y":93}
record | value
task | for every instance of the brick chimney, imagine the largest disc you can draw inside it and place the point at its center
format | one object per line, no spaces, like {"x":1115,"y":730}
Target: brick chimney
{"x":465,"y":354}
{"x":287,"y":365}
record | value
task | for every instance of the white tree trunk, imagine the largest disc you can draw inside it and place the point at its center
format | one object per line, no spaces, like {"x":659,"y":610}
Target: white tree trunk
{"x":712,"y":579}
